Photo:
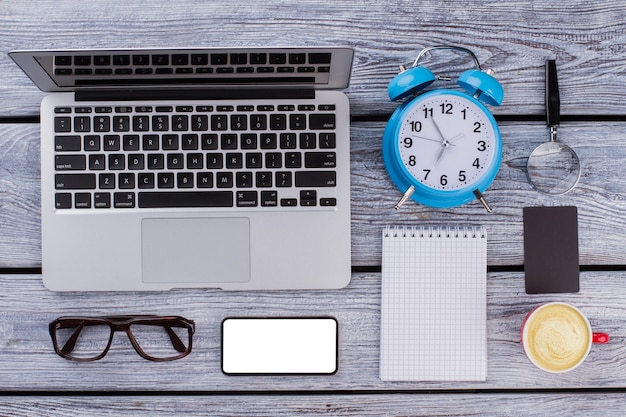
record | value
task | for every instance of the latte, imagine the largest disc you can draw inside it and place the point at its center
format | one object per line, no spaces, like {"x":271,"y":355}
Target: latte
{"x":556,"y":337}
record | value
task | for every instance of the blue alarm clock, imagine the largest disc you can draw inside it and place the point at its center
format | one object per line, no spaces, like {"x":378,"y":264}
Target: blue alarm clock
{"x":443,"y":148}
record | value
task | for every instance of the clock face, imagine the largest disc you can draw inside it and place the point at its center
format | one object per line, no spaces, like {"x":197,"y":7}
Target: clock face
{"x":447,"y":142}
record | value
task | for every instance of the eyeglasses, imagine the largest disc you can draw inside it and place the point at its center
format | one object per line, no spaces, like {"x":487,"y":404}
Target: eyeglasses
{"x":156,"y":338}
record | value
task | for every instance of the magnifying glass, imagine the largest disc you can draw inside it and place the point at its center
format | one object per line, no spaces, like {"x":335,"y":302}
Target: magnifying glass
{"x":553,"y":167}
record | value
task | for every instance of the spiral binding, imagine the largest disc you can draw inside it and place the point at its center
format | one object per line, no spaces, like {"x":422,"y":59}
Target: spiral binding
{"x":456,"y":231}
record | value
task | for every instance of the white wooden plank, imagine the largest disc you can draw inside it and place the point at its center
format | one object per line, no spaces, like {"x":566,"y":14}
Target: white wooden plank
{"x":514,"y":38}
{"x":28,"y":362}
{"x":347,"y":405}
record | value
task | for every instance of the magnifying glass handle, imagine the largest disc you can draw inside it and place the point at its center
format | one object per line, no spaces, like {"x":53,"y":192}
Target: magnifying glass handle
{"x":553,"y":101}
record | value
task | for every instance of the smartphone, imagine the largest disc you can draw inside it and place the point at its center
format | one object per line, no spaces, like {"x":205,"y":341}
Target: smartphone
{"x":280,"y":346}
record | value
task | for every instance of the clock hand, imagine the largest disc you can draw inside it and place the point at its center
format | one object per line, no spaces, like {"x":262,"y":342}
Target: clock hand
{"x":438,"y":129}
{"x":424,"y":138}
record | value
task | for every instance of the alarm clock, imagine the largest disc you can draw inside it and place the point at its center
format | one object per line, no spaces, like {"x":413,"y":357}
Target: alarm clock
{"x":442,"y":148}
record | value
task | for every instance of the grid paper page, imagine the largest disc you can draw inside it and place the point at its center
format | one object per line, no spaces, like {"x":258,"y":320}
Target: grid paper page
{"x":434,"y":304}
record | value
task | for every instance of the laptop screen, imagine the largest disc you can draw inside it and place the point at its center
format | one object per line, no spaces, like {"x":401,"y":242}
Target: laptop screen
{"x":72,"y":70}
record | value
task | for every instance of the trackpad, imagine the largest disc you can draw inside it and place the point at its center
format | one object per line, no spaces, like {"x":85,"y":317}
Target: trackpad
{"x":196,"y":250}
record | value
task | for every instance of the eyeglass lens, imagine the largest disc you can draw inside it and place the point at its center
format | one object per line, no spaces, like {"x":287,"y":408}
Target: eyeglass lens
{"x":89,"y":340}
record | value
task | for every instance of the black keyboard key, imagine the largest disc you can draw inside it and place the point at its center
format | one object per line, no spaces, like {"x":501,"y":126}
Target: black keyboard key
{"x":150,"y":142}
{"x":180,"y":59}
{"x":102,"y":123}
{"x":316,"y":179}
{"x":75,"y":181}
{"x":82,"y":60}
{"x":62,"y":124}
{"x":97,"y":162}
{"x":121,"y":123}
{"x":199,"y":122}
{"x":92,"y":143}
{"x":321,"y":121}
{"x":160,"y":59}
{"x":63,"y":200}
{"x":199,"y":59}
{"x":124,"y":200}
{"x":319,"y":58}
{"x":117,"y":162}
{"x":247,"y":199}
{"x":165,"y":180}
{"x":219,"y":122}
{"x":102,"y":200}
{"x":141,"y":123}
{"x":62,"y":60}
{"x":238,"y":59}
{"x":278,"y":122}
{"x":160,"y":123}
{"x":149,"y":199}
{"x":180,"y":122}
{"x":293,"y":160}
{"x":121,"y":59}
{"x":111,"y":142}
{"x":258,"y":59}
{"x":67,"y":143}
{"x":130,"y":142}
{"x":102,"y":60}
{"x":169,"y":142}
{"x":126,"y":180}
{"x":297,"y":121}
{"x":145,"y":180}
{"x":82,"y":124}
{"x":278,"y":59}
{"x":269,"y":198}
{"x":327,"y":141}
{"x":320,"y":160}
{"x":219,"y":59}
{"x":70,"y":163}
{"x":328,"y":202}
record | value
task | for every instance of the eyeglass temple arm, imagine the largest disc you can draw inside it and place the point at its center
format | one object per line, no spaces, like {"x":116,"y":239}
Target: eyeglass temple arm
{"x":68,"y":347}
{"x":176,"y":342}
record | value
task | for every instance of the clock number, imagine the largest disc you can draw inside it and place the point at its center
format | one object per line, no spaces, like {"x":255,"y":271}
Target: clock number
{"x":427,"y":111}
{"x":412,"y":161}
{"x":408,"y":142}
{"x":416,"y":126}
{"x":427,"y":171}
{"x":464,"y":111}
{"x":477,"y":127}
{"x":443,"y":180}
{"x":446,"y":108}
{"x":476,"y":163}
{"x":482,"y":145}
{"x":462,"y":176}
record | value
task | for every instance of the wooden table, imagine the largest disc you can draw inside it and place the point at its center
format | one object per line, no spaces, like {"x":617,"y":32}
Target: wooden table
{"x":514,"y":38}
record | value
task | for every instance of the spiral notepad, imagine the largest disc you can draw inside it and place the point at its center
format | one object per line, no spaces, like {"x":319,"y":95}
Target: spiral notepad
{"x":434,"y":304}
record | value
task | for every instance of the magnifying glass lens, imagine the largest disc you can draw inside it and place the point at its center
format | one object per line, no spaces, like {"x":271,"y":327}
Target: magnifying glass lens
{"x":553,"y":168}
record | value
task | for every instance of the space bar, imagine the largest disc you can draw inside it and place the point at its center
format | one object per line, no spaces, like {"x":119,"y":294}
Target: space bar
{"x":185,"y":199}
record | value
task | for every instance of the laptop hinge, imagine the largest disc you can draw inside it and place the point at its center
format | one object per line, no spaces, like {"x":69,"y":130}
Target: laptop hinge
{"x":193,"y":94}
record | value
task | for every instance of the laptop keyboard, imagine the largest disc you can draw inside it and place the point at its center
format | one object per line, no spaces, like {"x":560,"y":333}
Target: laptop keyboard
{"x":247,"y":156}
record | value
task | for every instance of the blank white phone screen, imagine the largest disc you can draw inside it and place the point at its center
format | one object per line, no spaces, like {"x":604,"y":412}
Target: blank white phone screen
{"x":279,"y":345}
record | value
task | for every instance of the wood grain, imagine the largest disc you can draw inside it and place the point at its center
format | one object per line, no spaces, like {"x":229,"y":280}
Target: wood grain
{"x":348,"y":405}
{"x":26,"y":351}
{"x":514,"y":38}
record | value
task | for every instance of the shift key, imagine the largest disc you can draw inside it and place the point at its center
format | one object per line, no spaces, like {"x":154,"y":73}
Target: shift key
{"x":316,"y":179}
{"x":75,"y":181}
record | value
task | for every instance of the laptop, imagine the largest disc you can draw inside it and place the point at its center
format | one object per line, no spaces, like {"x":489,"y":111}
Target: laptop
{"x":194,"y":168}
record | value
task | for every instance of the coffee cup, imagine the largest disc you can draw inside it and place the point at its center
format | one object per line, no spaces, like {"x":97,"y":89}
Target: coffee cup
{"x":557,"y":337}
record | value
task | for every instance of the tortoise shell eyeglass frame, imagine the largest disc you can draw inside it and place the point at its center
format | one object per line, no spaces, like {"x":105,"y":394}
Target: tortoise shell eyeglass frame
{"x":122,"y":323}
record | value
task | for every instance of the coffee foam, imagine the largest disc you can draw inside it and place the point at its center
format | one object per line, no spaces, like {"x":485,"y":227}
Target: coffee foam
{"x":556,"y":337}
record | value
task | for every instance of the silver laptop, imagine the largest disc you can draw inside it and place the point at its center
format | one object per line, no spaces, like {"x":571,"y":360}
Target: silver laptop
{"x":174,"y":168}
